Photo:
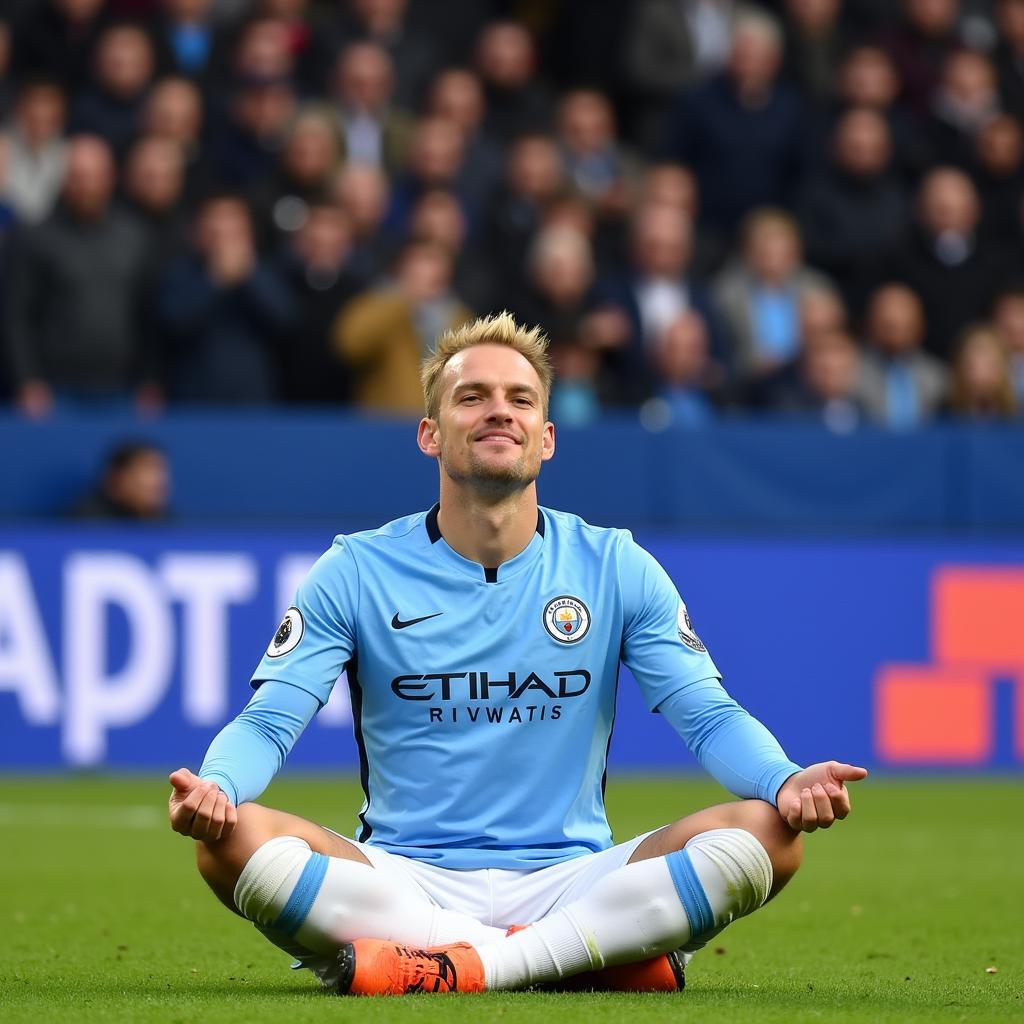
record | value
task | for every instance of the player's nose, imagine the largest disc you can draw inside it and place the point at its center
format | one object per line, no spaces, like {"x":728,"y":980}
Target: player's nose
{"x":499,"y":409}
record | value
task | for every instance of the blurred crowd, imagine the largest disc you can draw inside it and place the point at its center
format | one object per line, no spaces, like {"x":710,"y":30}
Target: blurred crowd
{"x":811,"y":207}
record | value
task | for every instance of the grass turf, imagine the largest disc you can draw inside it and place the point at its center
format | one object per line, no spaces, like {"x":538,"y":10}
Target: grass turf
{"x":895,"y":916}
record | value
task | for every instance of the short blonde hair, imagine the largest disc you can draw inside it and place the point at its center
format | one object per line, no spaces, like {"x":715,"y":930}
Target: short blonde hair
{"x":499,"y":329}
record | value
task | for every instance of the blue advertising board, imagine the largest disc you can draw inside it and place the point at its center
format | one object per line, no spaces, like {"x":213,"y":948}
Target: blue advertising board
{"x":131,"y":648}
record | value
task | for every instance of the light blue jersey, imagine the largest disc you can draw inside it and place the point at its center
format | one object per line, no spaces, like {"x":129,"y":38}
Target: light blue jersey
{"x":483,"y":699}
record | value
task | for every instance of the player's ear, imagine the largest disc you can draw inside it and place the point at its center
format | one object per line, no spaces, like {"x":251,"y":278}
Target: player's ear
{"x":427,"y":437}
{"x":547,"y":442}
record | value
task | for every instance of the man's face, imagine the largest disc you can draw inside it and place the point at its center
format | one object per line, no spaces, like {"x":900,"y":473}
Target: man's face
{"x":490,"y":432}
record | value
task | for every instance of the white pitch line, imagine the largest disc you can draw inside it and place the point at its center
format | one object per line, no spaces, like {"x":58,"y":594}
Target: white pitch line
{"x":81,"y":816}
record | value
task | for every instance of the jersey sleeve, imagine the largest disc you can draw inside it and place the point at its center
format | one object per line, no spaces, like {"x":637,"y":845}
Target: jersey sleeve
{"x":659,"y":644}
{"x":316,"y":638}
{"x":730,"y":744}
{"x":250,"y":750}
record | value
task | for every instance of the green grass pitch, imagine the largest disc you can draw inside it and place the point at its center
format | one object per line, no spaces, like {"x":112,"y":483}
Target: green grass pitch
{"x":896,"y":916}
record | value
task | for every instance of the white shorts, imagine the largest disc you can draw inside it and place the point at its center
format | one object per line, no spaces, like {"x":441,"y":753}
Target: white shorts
{"x":501,"y":897}
{"x":498,"y":897}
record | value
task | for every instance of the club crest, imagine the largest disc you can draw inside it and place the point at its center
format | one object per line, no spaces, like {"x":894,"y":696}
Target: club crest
{"x":566,"y":619}
{"x":288,"y":634}
{"x":685,"y":628}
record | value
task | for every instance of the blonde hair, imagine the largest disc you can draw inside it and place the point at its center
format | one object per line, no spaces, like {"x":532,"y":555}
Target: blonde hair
{"x":1002,"y":402}
{"x":497,"y":329}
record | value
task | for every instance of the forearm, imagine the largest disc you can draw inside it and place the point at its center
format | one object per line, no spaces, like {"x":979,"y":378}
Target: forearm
{"x":729,"y":743}
{"x":249,"y":751}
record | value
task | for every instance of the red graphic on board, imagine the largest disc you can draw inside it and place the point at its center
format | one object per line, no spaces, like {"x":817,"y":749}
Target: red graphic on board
{"x":944,"y":711}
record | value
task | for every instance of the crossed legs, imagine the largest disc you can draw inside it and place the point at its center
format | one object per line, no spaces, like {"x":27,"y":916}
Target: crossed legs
{"x":308,"y":888}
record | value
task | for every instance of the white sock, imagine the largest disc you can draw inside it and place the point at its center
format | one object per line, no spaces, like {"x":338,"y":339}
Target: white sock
{"x":323,"y":902}
{"x":641,"y":910}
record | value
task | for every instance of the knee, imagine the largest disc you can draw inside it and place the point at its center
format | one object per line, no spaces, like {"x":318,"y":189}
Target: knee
{"x":220,"y":863}
{"x":785,"y":847}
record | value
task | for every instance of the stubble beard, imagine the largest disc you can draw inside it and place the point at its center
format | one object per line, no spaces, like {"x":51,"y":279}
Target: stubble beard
{"x":496,"y":481}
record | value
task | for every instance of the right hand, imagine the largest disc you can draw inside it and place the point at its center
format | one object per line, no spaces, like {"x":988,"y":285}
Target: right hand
{"x":200,"y":809}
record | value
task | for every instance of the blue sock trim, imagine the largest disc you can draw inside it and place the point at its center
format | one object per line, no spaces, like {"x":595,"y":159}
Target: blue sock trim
{"x":305,"y":892}
{"x":691,"y":893}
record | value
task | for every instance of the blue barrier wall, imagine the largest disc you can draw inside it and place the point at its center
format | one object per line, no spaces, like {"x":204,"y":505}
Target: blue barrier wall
{"x":356,"y":472}
{"x":129,"y":648}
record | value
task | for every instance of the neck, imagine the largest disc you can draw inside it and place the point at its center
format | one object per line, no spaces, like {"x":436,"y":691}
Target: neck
{"x":486,"y":528}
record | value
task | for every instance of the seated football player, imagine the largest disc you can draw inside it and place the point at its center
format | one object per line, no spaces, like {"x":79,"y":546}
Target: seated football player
{"x":481,"y":642}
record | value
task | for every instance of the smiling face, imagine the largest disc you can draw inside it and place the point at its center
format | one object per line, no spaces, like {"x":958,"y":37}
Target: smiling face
{"x":491,"y":433}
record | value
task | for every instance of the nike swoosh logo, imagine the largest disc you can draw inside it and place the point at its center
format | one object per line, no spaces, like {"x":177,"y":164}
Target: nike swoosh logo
{"x":397,"y":623}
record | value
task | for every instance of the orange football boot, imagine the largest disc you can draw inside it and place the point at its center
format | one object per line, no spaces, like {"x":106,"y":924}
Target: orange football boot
{"x":665,"y":973}
{"x":373,"y":967}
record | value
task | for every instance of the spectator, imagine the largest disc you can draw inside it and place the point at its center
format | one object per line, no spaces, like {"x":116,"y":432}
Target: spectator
{"x":821,"y":311}
{"x":596,"y":164}
{"x":376,"y":131}
{"x":308,"y":164}
{"x":760,"y":295}
{"x":560,"y":296}
{"x":75,"y":289}
{"x":560,"y":278}
{"x":438,"y":217}
{"x":868,"y":79}
{"x":657,"y":289}
{"x":569,"y":210}
{"x":670,"y":185}
{"x":982,"y":387}
{"x":456,"y":95}
{"x":1008,"y":320}
{"x":517,"y":103}
{"x":901,"y":385}
{"x":262,"y":53}
{"x":299,"y":35}
{"x":382,"y":336}
{"x":857,"y":209}
{"x":966,"y":99}
{"x":174,"y":111}
{"x":245,"y":149}
{"x":691,"y":385}
{"x":122,"y":71}
{"x":999,"y":175}
{"x":222,"y":311}
{"x":188,"y":39}
{"x":36,"y":151}
{"x":742,"y":132}
{"x":363,"y":192}
{"x":435,"y":162}
{"x":135,"y":486}
{"x":667,"y":47}
{"x":822,"y":384}
{"x":944,"y":261}
{"x":533,"y":178}
{"x":413,"y":54}
{"x":673,"y":185}
{"x":153,"y":184}
{"x":813,"y":45}
{"x":919,"y":46}
{"x":316,"y":263}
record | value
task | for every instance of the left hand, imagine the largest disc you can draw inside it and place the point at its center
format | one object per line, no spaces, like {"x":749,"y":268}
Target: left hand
{"x":817,"y":796}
